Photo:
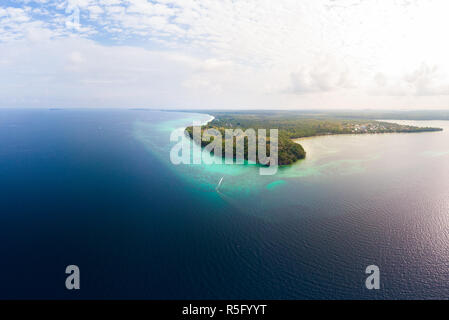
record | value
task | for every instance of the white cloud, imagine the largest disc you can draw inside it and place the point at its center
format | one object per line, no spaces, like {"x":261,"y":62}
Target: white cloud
{"x":95,"y":11}
{"x":421,"y":82}
{"x":76,"y":72}
{"x":322,"y":76}
{"x":311,"y":53}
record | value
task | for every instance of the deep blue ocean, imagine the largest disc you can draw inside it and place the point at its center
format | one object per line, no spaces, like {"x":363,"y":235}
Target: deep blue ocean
{"x":96,"y":188}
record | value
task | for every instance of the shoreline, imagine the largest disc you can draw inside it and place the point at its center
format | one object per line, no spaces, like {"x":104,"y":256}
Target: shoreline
{"x":375,"y":133}
{"x":212,"y":118}
{"x":301,"y":139}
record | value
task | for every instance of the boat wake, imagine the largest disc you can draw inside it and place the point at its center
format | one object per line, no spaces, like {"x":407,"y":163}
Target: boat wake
{"x":219,"y":184}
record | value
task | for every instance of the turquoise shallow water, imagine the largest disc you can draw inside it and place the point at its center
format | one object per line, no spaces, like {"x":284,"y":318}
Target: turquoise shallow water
{"x":96,"y":188}
{"x":239,"y":181}
{"x":383,"y":199}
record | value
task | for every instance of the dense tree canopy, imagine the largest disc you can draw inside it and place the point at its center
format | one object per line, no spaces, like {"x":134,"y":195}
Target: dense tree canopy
{"x":291,"y":126}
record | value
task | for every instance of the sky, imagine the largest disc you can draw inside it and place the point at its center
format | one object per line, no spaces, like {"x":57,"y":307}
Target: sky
{"x":227,"y":54}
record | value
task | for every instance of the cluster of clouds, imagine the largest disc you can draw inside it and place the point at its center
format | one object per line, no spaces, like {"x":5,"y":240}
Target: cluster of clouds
{"x":224,"y":53}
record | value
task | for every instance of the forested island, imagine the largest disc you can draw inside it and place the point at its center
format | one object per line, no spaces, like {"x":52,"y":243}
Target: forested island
{"x":291,"y":126}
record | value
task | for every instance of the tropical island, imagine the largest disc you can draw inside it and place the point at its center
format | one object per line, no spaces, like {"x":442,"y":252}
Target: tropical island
{"x":293,"y":125}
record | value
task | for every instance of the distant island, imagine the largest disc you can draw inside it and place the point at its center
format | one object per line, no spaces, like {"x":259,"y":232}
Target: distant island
{"x":291,"y":126}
